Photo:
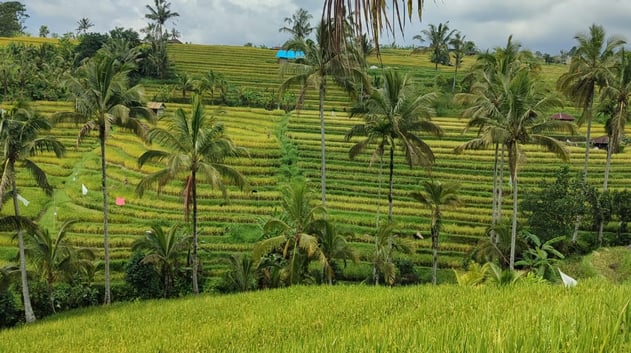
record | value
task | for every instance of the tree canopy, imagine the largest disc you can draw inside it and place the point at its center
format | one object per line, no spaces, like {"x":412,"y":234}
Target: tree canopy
{"x":12,"y":16}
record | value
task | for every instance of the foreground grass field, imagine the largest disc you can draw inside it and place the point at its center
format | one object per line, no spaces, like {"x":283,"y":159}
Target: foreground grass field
{"x":595,"y":316}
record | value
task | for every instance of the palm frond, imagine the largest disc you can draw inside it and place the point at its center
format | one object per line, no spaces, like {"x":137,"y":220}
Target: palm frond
{"x":38,"y":175}
{"x":266,"y":246}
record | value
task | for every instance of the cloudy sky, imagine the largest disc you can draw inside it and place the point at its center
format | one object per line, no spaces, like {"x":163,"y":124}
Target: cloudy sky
{"x":543,"y":25}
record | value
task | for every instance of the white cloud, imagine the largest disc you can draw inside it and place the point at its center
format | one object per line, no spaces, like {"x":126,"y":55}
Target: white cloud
{"x":538,"y":24}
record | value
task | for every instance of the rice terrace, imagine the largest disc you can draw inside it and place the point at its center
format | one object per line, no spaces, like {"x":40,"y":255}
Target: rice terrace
{"x":327,"y":195}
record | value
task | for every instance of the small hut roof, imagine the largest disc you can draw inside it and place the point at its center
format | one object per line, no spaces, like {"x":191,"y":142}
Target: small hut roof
{"x":562,"y":116}
{"x":290,"y":54}
{"x":602,"y":140}
{"x":156,"y":105}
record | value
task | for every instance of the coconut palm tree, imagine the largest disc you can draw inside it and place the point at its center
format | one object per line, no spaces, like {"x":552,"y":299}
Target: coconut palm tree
{"x":211,"y":81}
{"x":195,"y":149}
{"x":164,"y":250}
{"x":56,"y":259}
{"x":185,"y":83}
{"x":158,"y":36}
{"x":333,"y":246}
{"x":393,"y":116}
{"x":438,"y":38}
{"x":459,"y":50}
{"x":19,"y":135}
{"x":387,"y":242}
{"x":103,"y":100}
{"x":320,"y":62}
{"x":484,"y":100}
{"x":295,"y":237}
{"x":241,"y":276}
{"x":590,"y":68}
{"x":160,"y":14}
{"x":298,"y":25}
{"x":616,"y":94}
{"x":83,"y":25}
{"x":523,"y":106}
{"x":435,"y":195}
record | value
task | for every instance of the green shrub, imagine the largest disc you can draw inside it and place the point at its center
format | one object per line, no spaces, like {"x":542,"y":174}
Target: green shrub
{"x":406,"y":274}
{"x":67,"y":296}
{"x":10,"y":314}
{"x":143,"y":279}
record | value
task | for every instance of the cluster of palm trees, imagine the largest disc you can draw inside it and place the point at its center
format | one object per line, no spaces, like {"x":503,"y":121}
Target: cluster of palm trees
{"x":159,"y":14}
{"x":194,"y":148}
{"x":509,"y":107}
{"x":19,"y":135}
{"x":599,"y":64}
{"x":507,"y":104}
{"x":299,"y":235}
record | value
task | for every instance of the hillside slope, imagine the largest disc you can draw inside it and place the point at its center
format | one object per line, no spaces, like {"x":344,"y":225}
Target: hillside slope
{"x":353,"y":186}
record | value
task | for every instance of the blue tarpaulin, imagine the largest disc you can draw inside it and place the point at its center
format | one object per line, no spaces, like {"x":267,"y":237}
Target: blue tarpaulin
{"x":290,"y":54}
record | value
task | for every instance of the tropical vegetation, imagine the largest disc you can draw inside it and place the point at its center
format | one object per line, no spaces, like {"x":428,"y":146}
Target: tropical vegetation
{"x":131,"y":200}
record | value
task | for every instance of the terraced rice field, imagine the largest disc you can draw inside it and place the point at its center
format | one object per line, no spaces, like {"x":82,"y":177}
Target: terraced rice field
{"x":353,"y":187}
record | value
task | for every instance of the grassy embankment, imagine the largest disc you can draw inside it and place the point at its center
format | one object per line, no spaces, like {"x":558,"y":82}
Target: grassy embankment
{"x":595,"y":316}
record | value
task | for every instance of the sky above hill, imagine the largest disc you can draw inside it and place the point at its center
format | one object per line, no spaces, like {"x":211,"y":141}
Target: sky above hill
{"x":539,"y":25}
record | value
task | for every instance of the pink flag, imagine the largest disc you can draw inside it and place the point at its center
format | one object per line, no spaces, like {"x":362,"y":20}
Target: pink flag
{"x":120,"y":201}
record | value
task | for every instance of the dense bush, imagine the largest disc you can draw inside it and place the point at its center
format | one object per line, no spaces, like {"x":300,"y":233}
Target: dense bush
{"x":65,"y":297}
{"x":142,"y":278}
{"x":406,"y":273}
{"x":10,"y":314}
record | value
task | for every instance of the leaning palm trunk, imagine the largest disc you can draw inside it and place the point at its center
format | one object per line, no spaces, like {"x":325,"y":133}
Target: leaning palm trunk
{"x":106,"y":244}
{"x":29,"y":315}
{"x":195,"y":236}
{"x":322,"y":142}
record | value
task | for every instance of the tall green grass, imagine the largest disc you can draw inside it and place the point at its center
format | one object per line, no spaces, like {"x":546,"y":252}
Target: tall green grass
{"x":592,"y":317}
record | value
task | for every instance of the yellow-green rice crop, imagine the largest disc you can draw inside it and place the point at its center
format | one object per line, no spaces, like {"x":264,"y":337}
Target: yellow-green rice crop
{"x":592,"y":317}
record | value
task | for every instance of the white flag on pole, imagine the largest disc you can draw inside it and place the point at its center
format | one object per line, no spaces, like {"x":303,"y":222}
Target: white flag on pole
{"x":84,"y":190}
{"x":567,"y":280}
{"x":23,"y":200}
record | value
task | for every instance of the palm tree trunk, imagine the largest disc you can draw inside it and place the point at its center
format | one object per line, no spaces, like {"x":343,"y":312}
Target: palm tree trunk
{"x":322,"y":144}
{"x":601,"y":227}
{"x":500,"y":190}
{"x":587,"y":111}
{"x":512,"y":158}
{"x":106,"y":244}
{"x":391,"y":185}
{"x":494,"y":209}
{"x":167,"y":280}
{"x":390,"y":203}
{"x":453,"y":83}
{"x":435,"y":230}
{"x":194,"y":255}
{"x":50,"y":281}
{"x":29,"y":315}
{"x":588,"y":116}
{"x":375,"y":272}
